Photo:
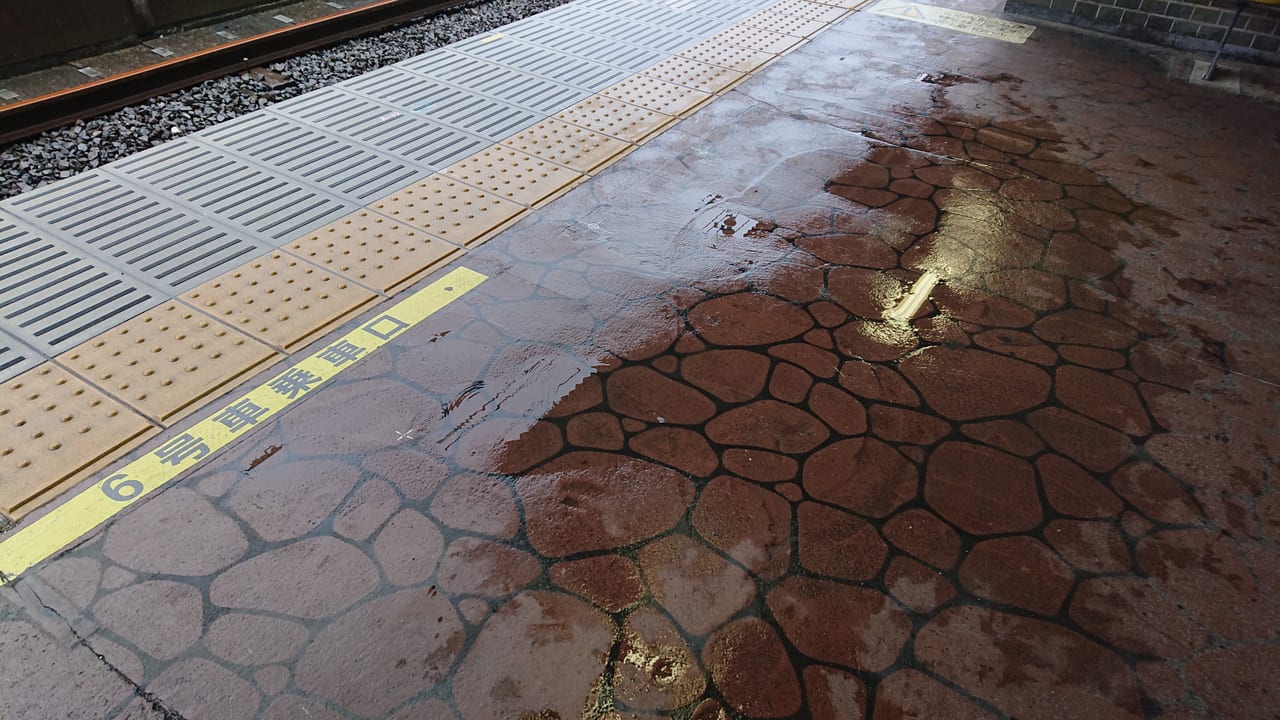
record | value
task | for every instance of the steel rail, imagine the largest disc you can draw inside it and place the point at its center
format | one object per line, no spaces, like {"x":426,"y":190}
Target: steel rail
{"x":30,"y":117}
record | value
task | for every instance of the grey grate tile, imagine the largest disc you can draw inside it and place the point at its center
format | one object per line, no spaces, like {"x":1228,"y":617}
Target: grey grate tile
{"x":52,"y":296}
{"x":518,"y":88}
{"x":484,"y":116}
{"x":322,"y":159}
{"x":15,"y":357}
{"x":429,"y":144}
{"x":275,"y":207}
{"x":143,"y":233}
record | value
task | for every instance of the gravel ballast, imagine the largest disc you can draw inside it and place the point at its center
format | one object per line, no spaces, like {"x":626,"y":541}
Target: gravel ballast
{"x":87,"y":144}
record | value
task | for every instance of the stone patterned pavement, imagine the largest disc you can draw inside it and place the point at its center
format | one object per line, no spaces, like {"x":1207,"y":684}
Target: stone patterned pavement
{"x":674,"y":460}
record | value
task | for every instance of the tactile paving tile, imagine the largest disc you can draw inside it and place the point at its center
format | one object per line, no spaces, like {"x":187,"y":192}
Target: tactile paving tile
{"x":55,"y":429}
{"x":777,"y":21}
{"x":694,"y":74}
{"x":808,"y":10}
{"x":165,"y":360}
{"x":747,"y":36}
{"x":615,"y":118}
{"x":280,"y":299}
{"x":568,"y":145}
{"x":373,"y":250}
{"x":734,"y":57}
{"x":512,"y":174}
{"x":449,"y":209}
{"x":660,"y":95}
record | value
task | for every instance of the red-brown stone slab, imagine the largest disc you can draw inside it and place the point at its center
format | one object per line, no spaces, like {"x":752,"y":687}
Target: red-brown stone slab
{"x":746,"y":319}
{"x":584,"y":501}
{"x":1133,"y":615}
{"x":834,"y":694}
{"x":910,"y":694}
{"x":1008,"y":435}
{"x":982,"y":490}
{"x":746,"y":522}
{"x":1093,"y":445}
{"x":988,"y":653}
{"x":731,"y":375}
{"x":698,"y":587}
{"x":472,"y":566}
{"x":176,"y":533}
{"x":506,"y":670}
{"x":204,"y":690}
{"x":1019,"y":571}
{"x":1096,"y":547}
{"x":869,"y":636}
{"x":760,"y":465}
{"x":743,"y":651}
{"x":598,"y":430}
{"x":862,"y":475}
{"x":917,"y":585}
{"x":657,"y":670}
{"x":1204,"y":572}
{"x":408,"y":548}
{"x":968,"y":384}
{"x":479,"y":504}
{"x":310,"y":578}
{"x":611,"y":582}
{"x":285,"y":500}
{"x":838,"y":544}
{"x":680,"y":448}
{"x":922,"y":534}
{"x":1232,"y":681}
{"x":1074,"y":492}
{"x":646,"y":395}
{"x":769,"y":425}
{"x":1103,"y":397}
{"x":838,"y":409}
{"x":134,"y":613}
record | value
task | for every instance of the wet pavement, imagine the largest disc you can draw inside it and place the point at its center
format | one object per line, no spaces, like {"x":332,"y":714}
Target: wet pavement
{"x":923,"y":375}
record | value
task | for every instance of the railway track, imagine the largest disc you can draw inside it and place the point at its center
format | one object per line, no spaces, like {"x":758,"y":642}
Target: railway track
{"x":30,"y":117}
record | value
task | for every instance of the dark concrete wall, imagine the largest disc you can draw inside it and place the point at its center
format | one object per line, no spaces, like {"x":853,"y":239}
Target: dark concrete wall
{"x":1187,"y":24}
{"x":35,"y":29}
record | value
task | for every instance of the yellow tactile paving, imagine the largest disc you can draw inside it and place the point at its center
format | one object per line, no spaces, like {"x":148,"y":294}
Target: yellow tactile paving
{"x":777,"y":21}
{"x":569,"y":145}
{"x":816,"y":12}
{"x":449,"y":209}
{"x":280,"y":299}
{"x":167,"y":359}
{"x":734,"y":57}
{"x":516,"y":176}
{"x":694,"y":74}
{"x":755,"y":38}
{"x":659,"y":95}
{"x":374,"y":250}
{"x":54,"y":429}
{"x":615,"y":118}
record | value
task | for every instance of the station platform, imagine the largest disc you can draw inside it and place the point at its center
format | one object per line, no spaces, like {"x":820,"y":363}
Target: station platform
{"x":644,"y":359}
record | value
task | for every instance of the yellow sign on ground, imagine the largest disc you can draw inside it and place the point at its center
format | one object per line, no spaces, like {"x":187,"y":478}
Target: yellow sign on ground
{"x":117,"y":490}
{"x":966,"y":22}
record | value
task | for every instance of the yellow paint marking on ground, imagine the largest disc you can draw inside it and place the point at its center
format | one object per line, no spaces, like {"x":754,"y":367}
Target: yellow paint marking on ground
{"x":915,"y":298}
{"x":98,"y":503}
{"x":981,"y":25}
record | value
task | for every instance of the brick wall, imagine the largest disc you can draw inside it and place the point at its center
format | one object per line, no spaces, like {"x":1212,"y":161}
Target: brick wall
{"x":1193,"y":25}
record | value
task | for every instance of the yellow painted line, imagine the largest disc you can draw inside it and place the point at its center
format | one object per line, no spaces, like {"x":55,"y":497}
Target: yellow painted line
{"x":98,"y":503}
{"x":911,"y":303}
{"x":966,"y":22}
